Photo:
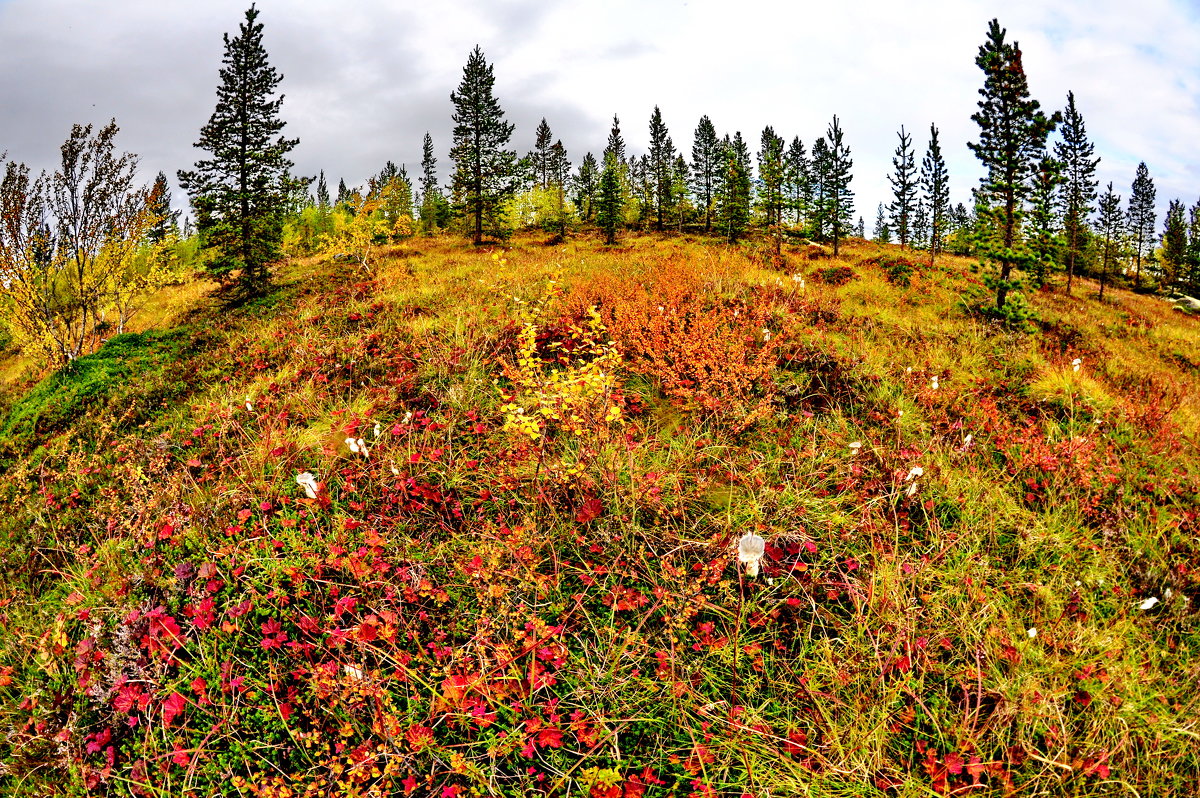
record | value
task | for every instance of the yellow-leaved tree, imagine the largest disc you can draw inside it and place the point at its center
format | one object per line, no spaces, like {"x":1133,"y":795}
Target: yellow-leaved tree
{"x":68,"y":243}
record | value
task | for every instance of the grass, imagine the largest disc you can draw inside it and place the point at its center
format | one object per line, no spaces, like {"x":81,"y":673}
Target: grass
{"x":527,"y":584}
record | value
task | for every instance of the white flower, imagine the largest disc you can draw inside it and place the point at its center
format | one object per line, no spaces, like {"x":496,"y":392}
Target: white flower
{"x":395,"y":471}
{"x":407,"y":417}
{"x":249,"y":404}
{"x":1076,"y":363}
{"x":766,"y":334}
{"x":354,"y":672}
{"x":378,"y":429}
{"x":1032,"y":632}
{"x":934,"y":383}
{"x":309,"y":483}
{"x":914,"y":472}
{"x":358,"y":446}
{"x":912,"y":489}
{"x":966,"y":444}
{"x":854,"y":447}
{"x":1148,"y":604}
{"x":750,"y":551}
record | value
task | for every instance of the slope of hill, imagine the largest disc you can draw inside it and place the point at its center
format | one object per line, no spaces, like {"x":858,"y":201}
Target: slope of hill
{"x":514,"y":571}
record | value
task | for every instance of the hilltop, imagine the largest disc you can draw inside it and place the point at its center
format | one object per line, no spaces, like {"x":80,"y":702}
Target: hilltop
{"x":513,"y":570}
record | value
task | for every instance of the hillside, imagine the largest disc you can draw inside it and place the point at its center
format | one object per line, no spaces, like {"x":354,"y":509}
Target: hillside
{"x":514,"y":570}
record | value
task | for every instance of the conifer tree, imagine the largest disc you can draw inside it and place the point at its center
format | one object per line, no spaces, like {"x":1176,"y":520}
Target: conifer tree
{"x":881,"y":232}
{"x":1043,"y":218}
{"x":1193,"y":248}
{"x":919,"y":235}
{"x":484,"y":171}
{"x":1141,"y":218}
{"x":770,"y":176}
{"x":661,"y":166}
{"x":679,"y":189}
{"x":904,"y":188}
{"x":609,"y":204}
{"x":240,"y":194}
{"x":322,"y":192}
{"x":935,"y":183}
{"x":840,"y":196}
{"x":541,"y":154}
{"x":1079,"y":184}
{"x":1174,"y":244}
{"x":1110,"y":226}
{"x":797,"y":181}
{"x":706,"y":150}
{"x":166,"y":220}
{"x":1012,"y":137}
{"x":861,"y":229}
{"x":558,"y":173}
{"x":818,"y":214}
{"x":616,"y":143}
{"x":435,"y":210}
{"x":343,"y":194}
{"x":733,"y":196}
{"x":585,"y":185}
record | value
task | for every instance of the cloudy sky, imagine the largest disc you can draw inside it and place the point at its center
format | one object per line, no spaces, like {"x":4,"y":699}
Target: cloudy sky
{"x":364,"y":79}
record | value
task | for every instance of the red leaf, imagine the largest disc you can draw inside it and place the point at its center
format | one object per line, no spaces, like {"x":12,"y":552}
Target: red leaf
{"x":590,"y":510}
{"x":173,"y":707}
{"x":954,"y":764}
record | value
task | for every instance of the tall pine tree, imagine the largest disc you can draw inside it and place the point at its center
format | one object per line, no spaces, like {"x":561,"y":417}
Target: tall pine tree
{"x":770,"y":176}
{"x":585,"y":185}
{"x":839,"y":195}
{"x":1079,"y":186}
{"x":1012,"y":137}
{"x":706,"y":150}
{"x":661,"y":166}
{"x":904,"y":188}
{"x":1110,"y":226}
{"x":241,"y":193}
{"x":609,"y":203}
{"x":484,"y":170}
{"x":1174,"y":245}
{"x":935,"y":183}
{"x":797,"y":181}
{"x":733,"y":195}
{"x":1141,"y":218}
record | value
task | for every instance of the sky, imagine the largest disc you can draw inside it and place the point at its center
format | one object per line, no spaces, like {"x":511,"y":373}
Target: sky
{"x":364,"y":80}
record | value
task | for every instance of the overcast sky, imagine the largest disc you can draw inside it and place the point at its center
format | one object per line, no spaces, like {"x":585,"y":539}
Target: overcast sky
{"x":364,"y":79}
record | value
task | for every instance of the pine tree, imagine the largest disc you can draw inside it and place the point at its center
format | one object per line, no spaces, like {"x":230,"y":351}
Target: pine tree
{"x":705,"y":164}
{"x":881,"y":232}
{"x":343,"y":195}
{"x":935,"y":183}
{"x":797,"y":181}
{"x":241,"y":193}
{"x":904,"y":188}
{"x":1012,"y":137}
{"x":322,"y":192}
{"x":1110,"y":226}
{"x":1174,"y":244}
{"x":1193,"y":249}
{"x":484,"y":171}
{"x":661,"y":166}
{"x":541,"y":154}
{"x":585,"y":185}
{"x":679,"y":189}
{"x":861,"y":229}
{"x":818,"y":210}
{"x":166,"y":221}
{"x":1043,"y":222}
{"x":840,"y":197}
{"x":770,"y":176}
{"x":1141,"y":218}
{"x":558,"y":172}
{"x":733,"y":196}
{"x":435,"y":210}
{"x":1079,"y":185}
{"x":609,"y":204}
{"x":919,"y":236}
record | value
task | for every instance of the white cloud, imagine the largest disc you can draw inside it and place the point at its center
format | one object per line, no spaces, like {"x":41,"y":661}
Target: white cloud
{"x":365,"y":80}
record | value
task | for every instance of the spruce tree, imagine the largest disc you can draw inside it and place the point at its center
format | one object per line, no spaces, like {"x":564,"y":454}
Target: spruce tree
{"x":1110,"y":226}
{"x":166,"y":221}
{"x":322,"y":192}
{"x":343,"y":195}
{"x":240,"y":194}
{"x":558,"y":173}
{"x":1079,"y":186}
{"x":1193,"y":249}
{"x":679,"y":188}
{"x":435,"y":210}
{"x":733,"y":196}
{"x":1174,"y":244}
{"x":1043,"y":220}
{"x":609,"y":204}
{"x":797,"y":181}
{"x":484,"y":171}
{"x":1012,"y":137}
{"x":837,"y":190}
{"x":661,"y":166}
{"x":1141,"y":218}
{"x":585,"y":185}
{"x":904,"y":188}
{"x":881,"y":233}
{"x":818,"y":212}
{"x":541,"y":154}
{"x":770,"y":176}
{"x":705,"y":163}
{"x":935,"y":184}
